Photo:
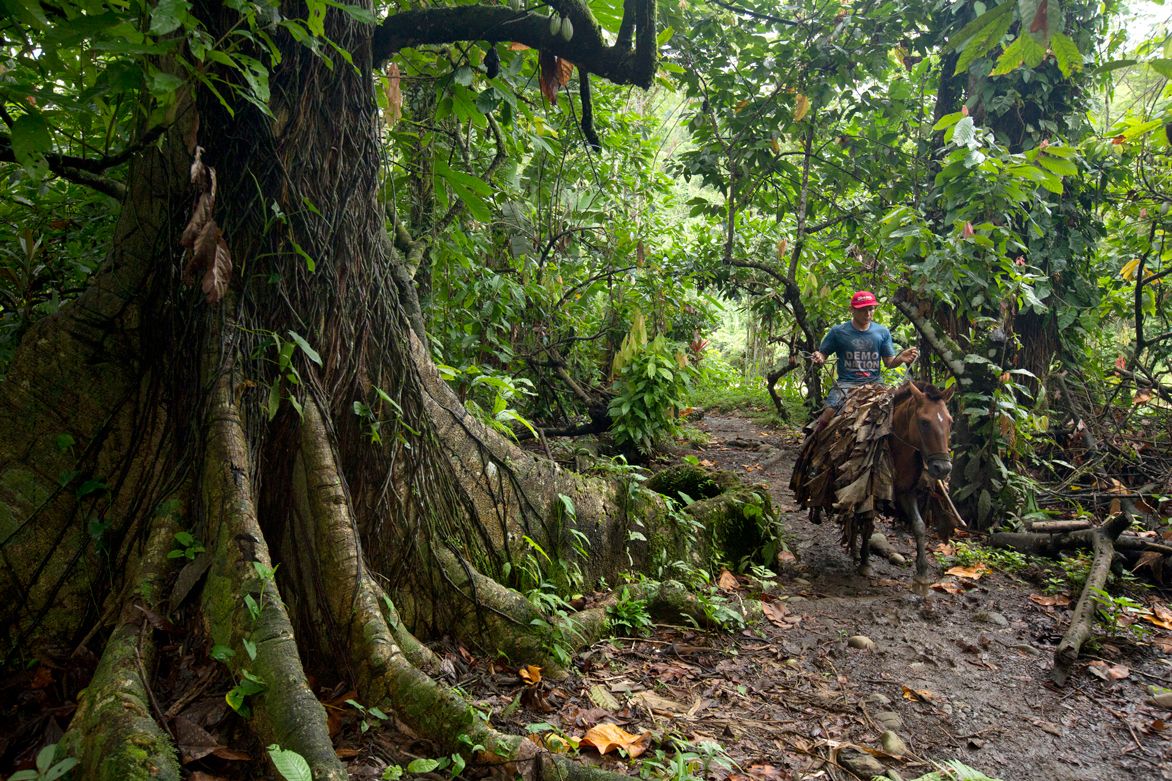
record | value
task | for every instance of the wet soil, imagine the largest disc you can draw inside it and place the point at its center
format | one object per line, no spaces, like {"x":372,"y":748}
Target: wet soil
{"x":954,"y":676}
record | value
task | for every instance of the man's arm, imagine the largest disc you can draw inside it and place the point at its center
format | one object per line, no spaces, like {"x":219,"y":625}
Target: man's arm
{"x":904,"y":357}
{"x":818,"y":357}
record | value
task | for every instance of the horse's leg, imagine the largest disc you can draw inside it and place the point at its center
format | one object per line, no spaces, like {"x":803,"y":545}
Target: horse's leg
{"x":909,"y":505}
{"x":865,"y":524}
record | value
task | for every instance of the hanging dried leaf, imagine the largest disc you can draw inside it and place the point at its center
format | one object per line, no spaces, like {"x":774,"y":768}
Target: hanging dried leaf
{"x":207,"y":252}
{"x":548,"y":80}
{"x":565,"y":70}
{"x":782,"y":249}
{"x":394,"y":95}
{"x":801,"y":107}
{"x":610,"y":737}
{"x":530,"y":674}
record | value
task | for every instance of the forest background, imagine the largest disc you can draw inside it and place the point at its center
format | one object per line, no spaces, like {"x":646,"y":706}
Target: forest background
{"x":581,"y":217}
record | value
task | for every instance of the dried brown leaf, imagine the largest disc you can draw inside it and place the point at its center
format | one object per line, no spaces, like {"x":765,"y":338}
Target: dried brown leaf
{"x":727,"y":581}
{"x":548,"y":79}
{"x":1051,"y":600}
{"x":219,"y":273}
{"x":975,"y":572}
{"x":394,"y":94}
{"x":530,"y":674}
{"x":565,"y":69}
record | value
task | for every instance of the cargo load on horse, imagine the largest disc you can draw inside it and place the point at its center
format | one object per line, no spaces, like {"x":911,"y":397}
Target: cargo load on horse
{"x":884,"y":448}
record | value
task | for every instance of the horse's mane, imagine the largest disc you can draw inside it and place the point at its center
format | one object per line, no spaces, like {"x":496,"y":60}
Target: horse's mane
{"x":934,"y":393}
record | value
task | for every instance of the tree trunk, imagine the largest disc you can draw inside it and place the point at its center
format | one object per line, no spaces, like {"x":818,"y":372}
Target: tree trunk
{"x":333,"y":539}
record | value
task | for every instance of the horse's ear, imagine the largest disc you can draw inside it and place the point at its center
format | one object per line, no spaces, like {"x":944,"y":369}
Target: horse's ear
{"x":947,"y":394}
{"x":915,"y":391}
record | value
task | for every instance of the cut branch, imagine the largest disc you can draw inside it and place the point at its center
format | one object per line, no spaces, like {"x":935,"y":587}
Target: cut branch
{"x":1080,"y":623}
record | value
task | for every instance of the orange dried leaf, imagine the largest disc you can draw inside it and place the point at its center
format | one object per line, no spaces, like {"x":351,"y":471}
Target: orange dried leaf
{"x":565,"y":70}
{"x":1054,"y":600}
{"x":1143,"y":397}
{"x":949,"y":587}
{"x":918,"y":695}
{"x":611,"y":737}
{"x":975,"y":572}
{"x":801,"y":107}
{"x":727,"y":581}
{"x":530,"y":674}
{"x":1161,"y":616}
{"x":517,"y":47}
{"x":394,"y":94}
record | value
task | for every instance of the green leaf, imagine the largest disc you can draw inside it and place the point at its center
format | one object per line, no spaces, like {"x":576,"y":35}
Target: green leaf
{"x":31,"y":139}
{"x":168,"y":16}
{"x":1011,"y":58}
{"x":1058,"y":165}
{"x":964,"y":132}
{"x":979,"y":36}
{"x":423,"y":765}
{"x":310,"y":353}
{"x":1161,"y":66}
{"x":1066,"y":53}
{"x":665,"y":35}
{"x":291,"y":765}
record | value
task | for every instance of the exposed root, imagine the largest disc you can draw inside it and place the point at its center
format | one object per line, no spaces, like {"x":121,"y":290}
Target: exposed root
{"x":114,"y":735}
{"x":286,"y":712}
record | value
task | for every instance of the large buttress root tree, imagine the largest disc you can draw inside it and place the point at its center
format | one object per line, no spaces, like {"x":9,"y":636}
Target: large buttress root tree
{"x":142,"y":409}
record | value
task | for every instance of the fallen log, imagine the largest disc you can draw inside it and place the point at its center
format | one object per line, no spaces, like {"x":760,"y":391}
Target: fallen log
{"x":1080,"y":623}
{"x":1054,"y":527}
{"x":1040,"y":544}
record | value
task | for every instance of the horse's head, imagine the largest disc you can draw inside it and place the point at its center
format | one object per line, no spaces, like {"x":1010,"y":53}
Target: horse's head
{"x":933,"y":428}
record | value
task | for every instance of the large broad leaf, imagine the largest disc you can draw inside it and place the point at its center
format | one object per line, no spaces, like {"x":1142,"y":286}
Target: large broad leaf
{"x":291,"y":765}
{"x":31,"y":139}
{"x":471,"y":190}
{"x":979,"y":36}
{"x":1066,"y":53}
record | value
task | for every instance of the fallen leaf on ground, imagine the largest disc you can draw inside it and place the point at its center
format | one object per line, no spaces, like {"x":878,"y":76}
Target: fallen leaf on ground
{"x":1161,"y":616}
{"x":1047,"y":726}
{"x":1108,"y":672}
{"x":918,"y":695}
{"x":601,"y":697}
{"x":610,"y":737}
{"x":530,"y":674}
{"x":766,"y":772}
{"x":707,"y":463}
{"x":948,"y":586}
{"x":786,"y":557}
{"x":653,"y":702}
{"x":752,"y":467}
{"x":1051,"y":600}
{"x":1164,"y":644}
{"x":346,"y":753}
{"x":944,"y":549}
{"x":975,"y":572}
{"x":779,"y":616}
{"x":727,"y":581}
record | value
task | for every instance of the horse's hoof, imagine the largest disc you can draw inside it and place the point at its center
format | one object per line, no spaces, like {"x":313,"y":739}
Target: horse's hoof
{"x":921,"y":586}
{"x":866,"y":571}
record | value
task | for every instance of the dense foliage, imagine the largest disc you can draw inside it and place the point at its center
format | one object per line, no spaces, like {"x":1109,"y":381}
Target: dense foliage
{"x":999,"y":170}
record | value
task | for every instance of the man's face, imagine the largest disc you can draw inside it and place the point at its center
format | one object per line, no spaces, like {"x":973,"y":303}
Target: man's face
{"x":863,"y":316}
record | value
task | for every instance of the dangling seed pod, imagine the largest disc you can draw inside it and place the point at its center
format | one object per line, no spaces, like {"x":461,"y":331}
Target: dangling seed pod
{"x":515,"y":5}
{"x":567,"y":29}
{"x":555,"y":25}
{"x":492,"y":63}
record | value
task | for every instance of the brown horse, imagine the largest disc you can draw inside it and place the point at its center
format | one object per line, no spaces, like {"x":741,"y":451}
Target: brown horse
{"x":867,"y":460}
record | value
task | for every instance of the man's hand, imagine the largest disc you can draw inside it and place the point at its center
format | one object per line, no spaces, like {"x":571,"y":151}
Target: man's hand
{"x":817,"y":358}
{"x":909,"y":355}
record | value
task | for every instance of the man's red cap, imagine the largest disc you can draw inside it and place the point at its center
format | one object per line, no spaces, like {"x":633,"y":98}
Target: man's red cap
{"x":863,"y":298}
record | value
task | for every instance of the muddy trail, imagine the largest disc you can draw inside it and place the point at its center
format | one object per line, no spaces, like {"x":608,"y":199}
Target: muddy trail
{"x":961,"y":674}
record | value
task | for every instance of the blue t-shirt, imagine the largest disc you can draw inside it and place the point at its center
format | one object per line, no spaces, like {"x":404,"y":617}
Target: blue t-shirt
{"x":859,"y":352}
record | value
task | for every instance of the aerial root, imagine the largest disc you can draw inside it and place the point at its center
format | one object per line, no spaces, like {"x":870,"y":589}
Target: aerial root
{"x":243,"y":606}
{"x":114,"y":734}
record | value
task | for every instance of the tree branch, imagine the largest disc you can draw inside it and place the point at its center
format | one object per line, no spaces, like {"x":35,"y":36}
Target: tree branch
{"x":620,"y":63}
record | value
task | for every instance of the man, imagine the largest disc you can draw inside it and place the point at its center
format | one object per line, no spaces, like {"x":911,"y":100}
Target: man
{"x":860,"y":346}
